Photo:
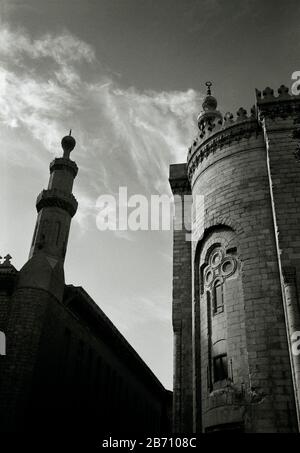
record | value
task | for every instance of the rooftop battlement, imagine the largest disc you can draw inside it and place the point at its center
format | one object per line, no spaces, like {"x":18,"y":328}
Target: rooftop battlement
{"x":229,"y":125}
{"x":267,"y":95}
{"x":216,"y":130}
{"x":281,"y":106}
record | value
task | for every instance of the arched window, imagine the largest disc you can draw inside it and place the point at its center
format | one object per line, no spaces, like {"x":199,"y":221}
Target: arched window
{"x":219,"y":264}
{"x":219,"y":361}
{"x":218,"y":297}
{"x":220,"y":367}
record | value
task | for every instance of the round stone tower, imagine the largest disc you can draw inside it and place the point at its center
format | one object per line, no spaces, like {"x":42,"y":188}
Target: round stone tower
{"x":244,"y":177}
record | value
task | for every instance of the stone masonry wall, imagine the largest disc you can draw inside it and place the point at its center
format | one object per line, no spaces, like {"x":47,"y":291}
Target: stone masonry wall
{"x":281,"y":123}
{"x":23,"y":331}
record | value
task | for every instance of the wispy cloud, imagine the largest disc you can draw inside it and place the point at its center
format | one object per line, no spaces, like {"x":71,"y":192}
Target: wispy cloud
{"x":125,"y":136}
{"x":154,"y":128}
{"x":63,"y":49}
{"x":36,"y":94}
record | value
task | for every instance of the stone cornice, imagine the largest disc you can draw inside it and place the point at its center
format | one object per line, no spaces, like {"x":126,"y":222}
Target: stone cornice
{"x":223,"y":137}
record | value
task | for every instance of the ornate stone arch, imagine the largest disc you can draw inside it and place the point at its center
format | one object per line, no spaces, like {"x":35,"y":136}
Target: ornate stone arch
{"x":214,"y":236}
{"x":216,"y":260}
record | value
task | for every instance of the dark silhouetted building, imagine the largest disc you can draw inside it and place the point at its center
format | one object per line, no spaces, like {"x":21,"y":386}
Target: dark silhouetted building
{"x":66,"y":365}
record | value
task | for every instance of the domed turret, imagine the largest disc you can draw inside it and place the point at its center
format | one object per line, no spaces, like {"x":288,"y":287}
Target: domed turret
{"x":210,"y":113}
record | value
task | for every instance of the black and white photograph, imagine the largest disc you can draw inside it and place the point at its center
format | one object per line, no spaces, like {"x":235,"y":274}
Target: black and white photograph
{"x":150,"y":221}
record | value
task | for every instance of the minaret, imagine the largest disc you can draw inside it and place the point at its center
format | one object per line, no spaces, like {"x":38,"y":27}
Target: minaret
{"x":55,"y":206}
{"x":39,"y":290}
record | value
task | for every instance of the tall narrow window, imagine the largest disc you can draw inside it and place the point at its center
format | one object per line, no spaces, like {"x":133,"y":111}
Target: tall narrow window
{"x":218,"y":300}
{"x":209,"y":373}
{"x":220,"y":367}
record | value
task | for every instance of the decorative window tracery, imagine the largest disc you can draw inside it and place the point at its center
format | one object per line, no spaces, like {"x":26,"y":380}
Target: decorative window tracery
{"x":220,"y":264}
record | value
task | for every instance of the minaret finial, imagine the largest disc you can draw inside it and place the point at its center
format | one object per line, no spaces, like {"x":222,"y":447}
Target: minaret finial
{"x":208,"y":84}
{"x":68,"y":144}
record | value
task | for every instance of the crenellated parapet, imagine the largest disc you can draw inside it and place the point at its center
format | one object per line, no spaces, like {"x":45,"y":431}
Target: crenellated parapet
{"x":217,"y":131}
{"x":219,"y":134}
{"x":283,"y":105}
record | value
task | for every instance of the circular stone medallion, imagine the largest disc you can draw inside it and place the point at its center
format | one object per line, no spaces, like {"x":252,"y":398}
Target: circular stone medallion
{"x":228,"y":267}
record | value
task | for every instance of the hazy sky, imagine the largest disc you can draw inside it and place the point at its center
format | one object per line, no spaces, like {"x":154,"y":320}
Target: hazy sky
{"x":127,"y":76}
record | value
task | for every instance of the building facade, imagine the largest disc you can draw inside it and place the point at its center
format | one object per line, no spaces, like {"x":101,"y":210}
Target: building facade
{"x":66,"y":366}
{"x":236,"y":279}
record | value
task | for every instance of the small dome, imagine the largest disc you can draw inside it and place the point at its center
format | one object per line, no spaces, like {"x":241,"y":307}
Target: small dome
{"x":68,"y":144}
{"x":209,"y":103}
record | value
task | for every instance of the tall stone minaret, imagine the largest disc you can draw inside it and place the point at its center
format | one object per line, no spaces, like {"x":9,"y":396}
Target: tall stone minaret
{"x":56,"y":206}
{"x":39,"y":289}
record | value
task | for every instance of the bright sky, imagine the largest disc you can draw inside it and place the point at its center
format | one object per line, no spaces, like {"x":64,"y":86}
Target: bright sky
{"x":127,"y":76}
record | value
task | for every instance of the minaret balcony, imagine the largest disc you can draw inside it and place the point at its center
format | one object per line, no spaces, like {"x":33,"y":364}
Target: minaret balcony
{"x":57,"y":198}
